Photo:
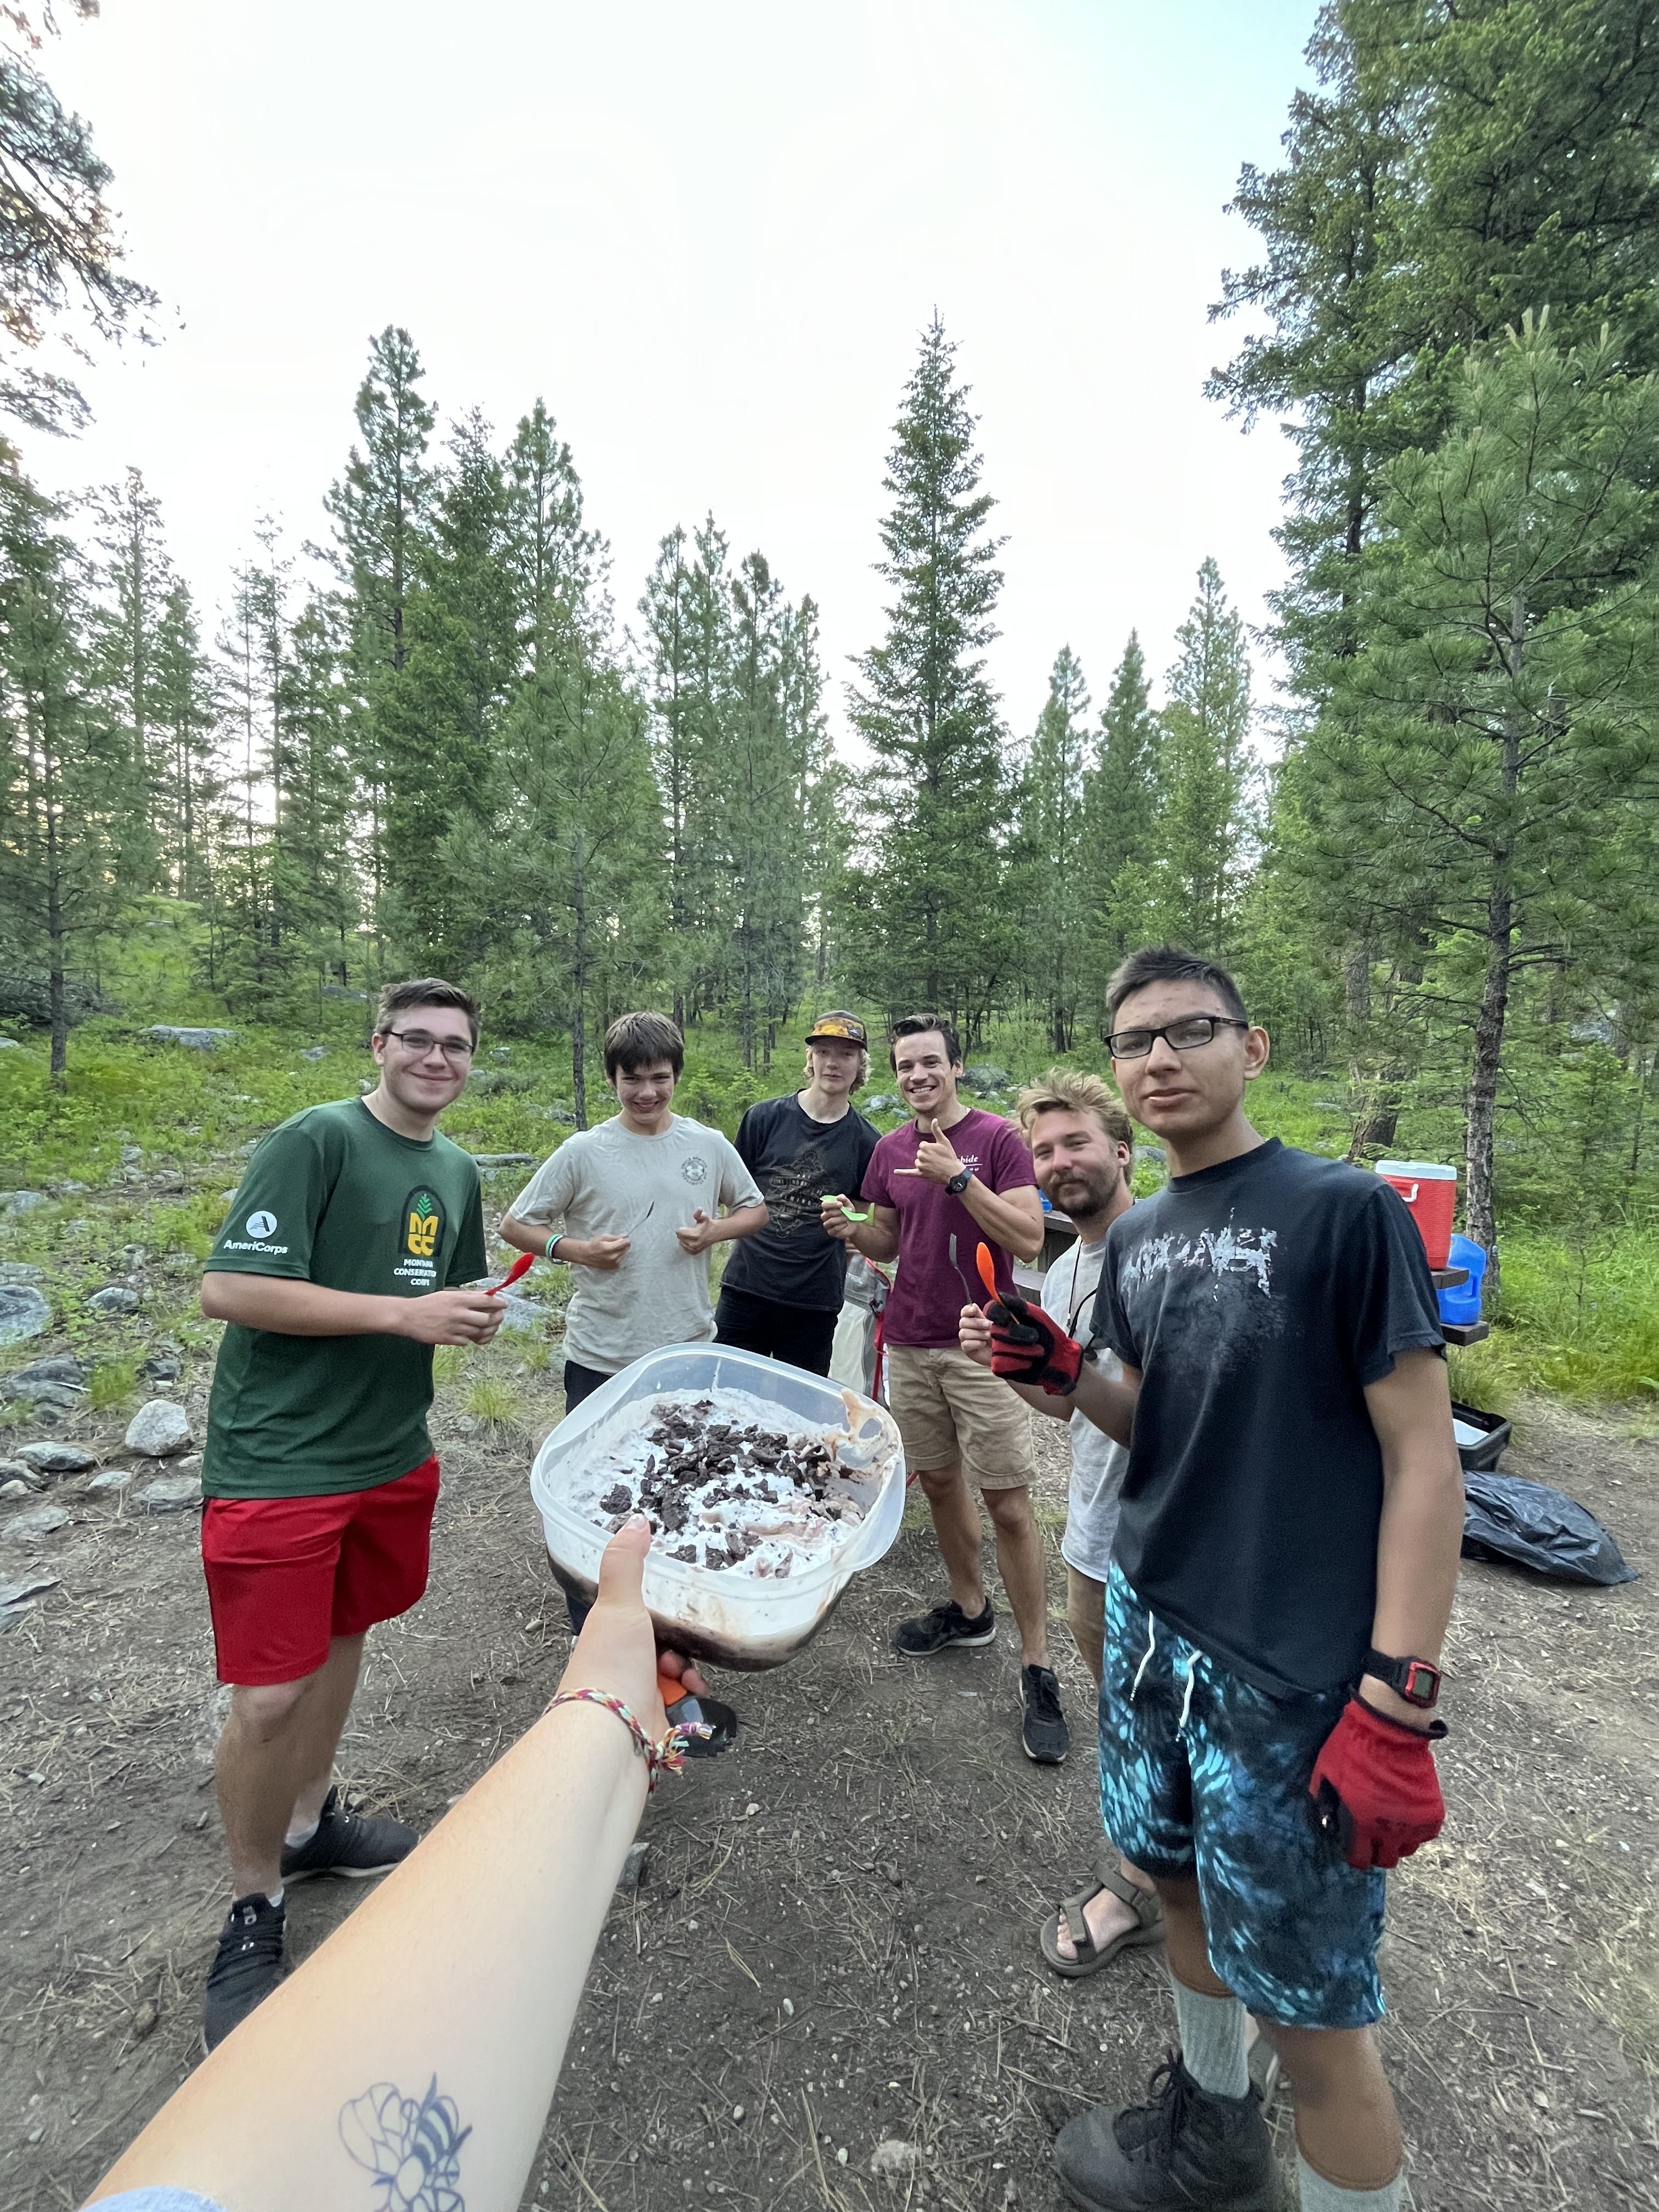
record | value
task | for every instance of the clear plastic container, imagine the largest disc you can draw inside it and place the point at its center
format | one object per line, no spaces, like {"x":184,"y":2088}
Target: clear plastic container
{"x":733,"y":1619}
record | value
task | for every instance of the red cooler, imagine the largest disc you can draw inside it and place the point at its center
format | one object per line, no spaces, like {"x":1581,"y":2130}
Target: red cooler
{"x":1431,"y":1193}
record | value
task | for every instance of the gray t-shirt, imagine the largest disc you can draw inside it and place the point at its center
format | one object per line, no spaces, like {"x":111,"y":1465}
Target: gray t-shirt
{"x":609,"y":1182}
{"x":1099,"y":1465}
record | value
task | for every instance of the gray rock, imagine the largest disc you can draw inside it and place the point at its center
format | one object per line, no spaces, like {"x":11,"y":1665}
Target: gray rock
{"x":340,"y":990}
{"x":115,"y":1298}
{"x":21,"y":1271}
{"x":174,"y":1494}
{"x":60,"y":1367}
{"x":193,"y":1040}
{"x":162,"y":1367}
{"x":18,"y":1598}
{"x":70,"y":1189}
{"x":633,"y":1867}
{"x":894,"y":2156}
{"x":24,"y":1201}
{"x":130,"y":1155}
{"x":17,"y":1470}
{"x":16,"y":1487}
{"x":503,"y":1159}
{"x":112,"y":1480}
{"x":879,"y":1105}
{"x":986,"y":1077}
{"x":522,"y":1312}
{"x":39,"y":1520}
{"x":159,"y":1429}
{"x":58,"y":1459}
{"x":61,"y":1396}
{"x":9,"y":1044}
{"x":316,"y":1051}
{"x":560,"y":1114}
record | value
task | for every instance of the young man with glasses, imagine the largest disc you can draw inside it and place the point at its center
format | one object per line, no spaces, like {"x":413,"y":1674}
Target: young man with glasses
{"x":1281,"y":1580}
{"x":336,"y":1271}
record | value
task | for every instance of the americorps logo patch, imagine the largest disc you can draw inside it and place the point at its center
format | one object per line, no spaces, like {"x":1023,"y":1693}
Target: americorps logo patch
{"x":260,"y":1223}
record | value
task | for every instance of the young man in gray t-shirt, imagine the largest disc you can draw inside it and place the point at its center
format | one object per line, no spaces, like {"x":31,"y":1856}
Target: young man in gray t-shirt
{"x":634,"y":1207}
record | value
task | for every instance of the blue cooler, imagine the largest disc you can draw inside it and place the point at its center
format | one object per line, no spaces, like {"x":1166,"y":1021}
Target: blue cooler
{"x":1462,"y":1305}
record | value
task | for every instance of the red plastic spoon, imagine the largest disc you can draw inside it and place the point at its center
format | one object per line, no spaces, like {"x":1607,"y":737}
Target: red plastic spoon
{"x":987,"y":1269}
{"x":522,"y":1266}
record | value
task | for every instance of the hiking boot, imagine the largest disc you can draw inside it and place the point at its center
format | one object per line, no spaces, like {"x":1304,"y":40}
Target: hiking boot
{"x":1043,"y":1731}
{"x":947,"y":1625}
{"x":246,"y":1967}
{"x":1183,"y":2149}
{"x":350,"y":1844}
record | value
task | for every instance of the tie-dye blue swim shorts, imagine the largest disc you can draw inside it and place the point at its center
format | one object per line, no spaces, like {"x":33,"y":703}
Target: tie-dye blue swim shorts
{"x":1202,"y":1773}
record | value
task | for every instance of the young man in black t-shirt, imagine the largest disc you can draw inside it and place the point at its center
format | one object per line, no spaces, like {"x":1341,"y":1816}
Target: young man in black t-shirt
{"x":783,"y":1287}
{"x":1282,"y":1577}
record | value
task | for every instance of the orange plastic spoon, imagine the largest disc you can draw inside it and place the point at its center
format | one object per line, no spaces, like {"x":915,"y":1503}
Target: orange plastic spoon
{"x":987,"y":1269}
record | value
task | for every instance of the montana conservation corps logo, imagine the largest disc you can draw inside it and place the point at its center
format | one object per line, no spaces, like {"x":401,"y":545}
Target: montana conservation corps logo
{"x":695,"y":1168}
{"x":423,"y":1224}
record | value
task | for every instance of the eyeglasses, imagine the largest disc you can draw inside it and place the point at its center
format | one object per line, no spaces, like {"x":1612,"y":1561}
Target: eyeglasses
{"x":1186,"y":1035}
{"x":418,"y":1043}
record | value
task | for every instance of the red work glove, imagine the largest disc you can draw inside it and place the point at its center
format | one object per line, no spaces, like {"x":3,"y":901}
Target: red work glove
{"x":1375,"y":1785}
{"x":1027,"y":1345}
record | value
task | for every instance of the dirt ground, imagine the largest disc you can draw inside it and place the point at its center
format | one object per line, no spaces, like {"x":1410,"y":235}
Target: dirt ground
{"x":834,"y":1943}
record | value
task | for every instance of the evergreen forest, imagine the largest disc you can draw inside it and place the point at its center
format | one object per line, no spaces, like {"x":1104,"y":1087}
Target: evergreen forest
{"x":436,"y":731}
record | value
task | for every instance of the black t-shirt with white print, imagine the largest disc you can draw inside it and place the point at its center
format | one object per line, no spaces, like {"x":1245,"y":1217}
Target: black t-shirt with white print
{"x":1259,"y":1299}
{"x":796,"y":1163}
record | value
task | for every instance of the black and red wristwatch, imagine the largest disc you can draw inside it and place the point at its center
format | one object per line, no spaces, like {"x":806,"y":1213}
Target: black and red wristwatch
{"x":1413,"y":1680}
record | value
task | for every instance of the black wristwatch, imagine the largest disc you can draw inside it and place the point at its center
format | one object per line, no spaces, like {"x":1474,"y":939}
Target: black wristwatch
{"x":1413,"y":1680}
{"x":958,"y":1183}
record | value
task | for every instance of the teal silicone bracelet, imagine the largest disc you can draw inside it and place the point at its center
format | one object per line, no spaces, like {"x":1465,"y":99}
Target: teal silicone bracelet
{"x":552,"y":1244}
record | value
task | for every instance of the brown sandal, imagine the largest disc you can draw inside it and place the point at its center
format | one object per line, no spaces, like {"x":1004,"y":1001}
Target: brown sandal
{"x":1146,"y":1903}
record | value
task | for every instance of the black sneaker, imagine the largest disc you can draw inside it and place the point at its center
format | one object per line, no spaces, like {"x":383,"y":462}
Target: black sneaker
{"x":246,"y":1967}
{"x":947,"y":1625}
{"x":1043,"y":1731}
{"x":350,"y":1844}
{"x":1182,"y":2149}
{"x":722,"y":1719}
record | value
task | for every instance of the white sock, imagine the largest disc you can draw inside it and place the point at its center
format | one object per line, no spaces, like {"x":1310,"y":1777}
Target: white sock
{"x":295,"y":1837}
{"x":1213,"y":2041}
{"x":277,"y":1898}
{"x":1318,"y":2195}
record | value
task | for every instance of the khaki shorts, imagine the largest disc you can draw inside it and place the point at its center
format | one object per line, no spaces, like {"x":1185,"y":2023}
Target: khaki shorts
{"x":949,"y":1408}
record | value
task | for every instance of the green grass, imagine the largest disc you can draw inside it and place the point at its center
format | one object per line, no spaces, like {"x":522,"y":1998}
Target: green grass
{"x":493,"y":1399}
{"x":113,"y":1385}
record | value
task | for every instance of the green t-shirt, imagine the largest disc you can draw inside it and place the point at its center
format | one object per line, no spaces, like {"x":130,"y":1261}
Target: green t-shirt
{"x":333,"y":1196}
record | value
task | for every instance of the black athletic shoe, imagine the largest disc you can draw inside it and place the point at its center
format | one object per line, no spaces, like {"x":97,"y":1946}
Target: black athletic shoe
{"x":1182,"y":2149}
{"x":246,"y":1967}
{"x":946,"y":1626}
{"x":350,"y":1844}
{"x":1043,"y":1731}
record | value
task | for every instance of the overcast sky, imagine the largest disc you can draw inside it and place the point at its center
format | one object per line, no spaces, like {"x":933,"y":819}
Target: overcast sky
{"x":709,"y":236}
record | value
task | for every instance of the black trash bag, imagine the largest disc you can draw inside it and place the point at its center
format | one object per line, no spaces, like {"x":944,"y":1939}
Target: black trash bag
{"x":1506,"y":1518}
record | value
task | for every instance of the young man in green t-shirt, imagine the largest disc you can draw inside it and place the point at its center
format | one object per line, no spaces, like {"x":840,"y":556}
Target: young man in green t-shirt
{"x":337,"y":1273}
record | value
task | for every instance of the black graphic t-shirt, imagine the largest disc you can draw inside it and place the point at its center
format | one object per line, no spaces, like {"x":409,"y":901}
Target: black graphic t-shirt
{"x":1259,"y":1299}
{"x":796,"y":1161}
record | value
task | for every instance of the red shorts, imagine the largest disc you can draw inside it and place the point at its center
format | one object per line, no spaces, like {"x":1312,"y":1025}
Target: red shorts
{"x":286,"y":1574}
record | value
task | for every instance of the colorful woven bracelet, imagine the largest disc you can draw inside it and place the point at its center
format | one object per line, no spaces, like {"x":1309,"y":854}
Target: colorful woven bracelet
{"x":667,"y":1757}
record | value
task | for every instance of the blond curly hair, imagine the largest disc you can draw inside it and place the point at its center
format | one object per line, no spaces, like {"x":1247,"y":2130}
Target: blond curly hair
{"x":1071,"y":1090}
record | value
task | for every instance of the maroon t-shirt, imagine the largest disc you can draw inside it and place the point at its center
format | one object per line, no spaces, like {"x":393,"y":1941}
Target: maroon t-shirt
{"x":930,"y":1293}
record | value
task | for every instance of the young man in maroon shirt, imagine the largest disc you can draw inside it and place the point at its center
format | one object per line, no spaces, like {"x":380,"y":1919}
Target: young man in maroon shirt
{"x":953,"y":1179}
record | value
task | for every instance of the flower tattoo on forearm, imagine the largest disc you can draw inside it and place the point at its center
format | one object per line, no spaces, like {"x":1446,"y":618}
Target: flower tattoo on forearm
{"x":411,"y":2145}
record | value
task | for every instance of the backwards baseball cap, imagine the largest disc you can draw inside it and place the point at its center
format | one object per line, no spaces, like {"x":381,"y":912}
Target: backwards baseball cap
{"x":847,"y":1029}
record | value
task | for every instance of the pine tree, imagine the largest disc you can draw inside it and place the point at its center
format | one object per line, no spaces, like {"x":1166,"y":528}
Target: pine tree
{"x":67,"y":787}
{"x":185,"y":783}
{"x":379,"y":509}
{"x":1205,"y":825}
{"x":930,"y":923}
{"x":134,"y":578}
{"x":1483,"y":780}
{"x":1053,"y":821}
{"x":1122,"y":887}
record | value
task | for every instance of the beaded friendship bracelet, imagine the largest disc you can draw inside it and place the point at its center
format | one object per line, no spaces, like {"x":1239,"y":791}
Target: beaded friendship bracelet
{"x":667,"y":1757}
